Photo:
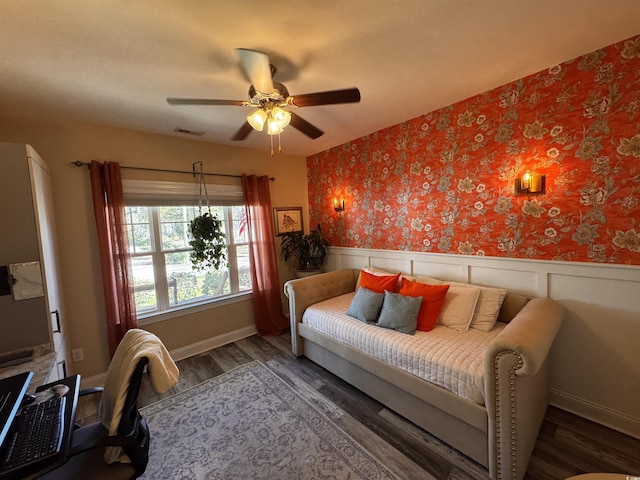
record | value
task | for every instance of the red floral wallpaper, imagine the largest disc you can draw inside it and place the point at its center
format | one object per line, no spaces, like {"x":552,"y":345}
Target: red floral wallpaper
{"x":444,"y":182}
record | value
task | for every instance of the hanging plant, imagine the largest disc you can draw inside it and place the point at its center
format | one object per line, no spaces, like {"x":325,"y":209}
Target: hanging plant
{"x":209,"y":243}
{"x":208,"y":240}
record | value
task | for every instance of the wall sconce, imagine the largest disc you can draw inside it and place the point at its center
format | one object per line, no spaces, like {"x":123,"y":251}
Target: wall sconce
{"x":529,"y":184}
{"x":338,"y":205}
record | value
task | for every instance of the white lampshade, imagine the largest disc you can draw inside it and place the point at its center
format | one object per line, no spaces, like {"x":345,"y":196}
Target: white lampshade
{"x":273,"y":127}
{"x":281,"y":116}
{"x":277,"y":120}
{"x":257,"y":119}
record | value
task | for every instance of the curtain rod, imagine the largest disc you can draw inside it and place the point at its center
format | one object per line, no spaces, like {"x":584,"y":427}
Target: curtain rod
{"x":78,"y":163}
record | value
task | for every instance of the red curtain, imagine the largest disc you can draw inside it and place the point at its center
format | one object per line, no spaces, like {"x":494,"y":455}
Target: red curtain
{"x":267,"y":303}
{"x":108,"y":206}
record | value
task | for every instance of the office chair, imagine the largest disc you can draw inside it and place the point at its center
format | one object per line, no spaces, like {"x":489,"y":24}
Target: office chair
{"x":88,"y":458}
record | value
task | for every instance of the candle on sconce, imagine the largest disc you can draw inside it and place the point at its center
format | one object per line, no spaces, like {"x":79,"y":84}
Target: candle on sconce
{"x":529,"y":183}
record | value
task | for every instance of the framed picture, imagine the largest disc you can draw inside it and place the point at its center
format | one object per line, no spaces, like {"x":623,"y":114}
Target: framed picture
{"x":287,"y":219}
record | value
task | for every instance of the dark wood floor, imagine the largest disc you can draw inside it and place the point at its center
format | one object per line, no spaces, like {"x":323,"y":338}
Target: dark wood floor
{"x":568,"y":445}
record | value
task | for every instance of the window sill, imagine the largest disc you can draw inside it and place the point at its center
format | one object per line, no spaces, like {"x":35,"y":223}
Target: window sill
{"x":181,"y":311}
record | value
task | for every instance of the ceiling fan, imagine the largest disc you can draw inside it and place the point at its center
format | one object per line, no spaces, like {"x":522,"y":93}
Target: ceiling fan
{"x":270,"y":101}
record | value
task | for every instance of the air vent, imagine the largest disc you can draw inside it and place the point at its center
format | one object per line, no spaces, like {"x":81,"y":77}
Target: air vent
{"x":188,"y":132}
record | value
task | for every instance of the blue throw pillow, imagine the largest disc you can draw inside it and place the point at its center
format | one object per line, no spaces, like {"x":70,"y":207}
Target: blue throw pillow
{"x":365,"y":305}
{"x":400,"y":312}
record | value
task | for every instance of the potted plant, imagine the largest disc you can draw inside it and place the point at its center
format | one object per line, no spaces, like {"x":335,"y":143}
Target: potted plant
{"x":309,"y":250}
{"x":208,"y":242}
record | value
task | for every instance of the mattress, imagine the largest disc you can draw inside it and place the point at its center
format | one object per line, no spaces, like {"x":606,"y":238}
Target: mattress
{"x":445,"y":357}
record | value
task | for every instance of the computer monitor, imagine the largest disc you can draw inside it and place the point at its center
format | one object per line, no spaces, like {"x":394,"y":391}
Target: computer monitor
{"x":12,"y":391}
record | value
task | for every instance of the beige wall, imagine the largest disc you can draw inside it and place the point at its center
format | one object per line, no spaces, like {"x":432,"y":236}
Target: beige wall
{"x":61,"y":143}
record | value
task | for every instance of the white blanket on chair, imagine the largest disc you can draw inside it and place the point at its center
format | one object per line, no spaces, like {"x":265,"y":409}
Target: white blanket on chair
{"x":162,"y":371}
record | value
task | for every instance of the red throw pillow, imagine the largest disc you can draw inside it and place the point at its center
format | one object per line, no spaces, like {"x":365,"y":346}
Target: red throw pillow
{"x":379,"y":283}
{"x":432,"y":301}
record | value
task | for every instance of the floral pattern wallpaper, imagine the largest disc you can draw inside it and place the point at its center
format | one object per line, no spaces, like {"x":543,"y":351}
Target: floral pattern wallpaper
{"x":444,"y":182}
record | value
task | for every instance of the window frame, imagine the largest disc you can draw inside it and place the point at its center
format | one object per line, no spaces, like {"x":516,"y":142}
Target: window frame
{"x":163,"y":194}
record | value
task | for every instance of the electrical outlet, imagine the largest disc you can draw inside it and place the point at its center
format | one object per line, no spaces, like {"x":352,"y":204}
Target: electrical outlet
{"x":77,"y":354}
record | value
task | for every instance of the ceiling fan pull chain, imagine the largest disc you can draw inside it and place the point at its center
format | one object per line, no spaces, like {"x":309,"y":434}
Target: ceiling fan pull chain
{"x":279,"y":146}
{"x":271,"y":138}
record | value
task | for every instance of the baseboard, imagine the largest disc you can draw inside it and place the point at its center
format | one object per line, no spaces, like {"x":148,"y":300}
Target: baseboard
{"x":211,"y":343}
{"x":596,"y":413}
{"x":184,"y":352}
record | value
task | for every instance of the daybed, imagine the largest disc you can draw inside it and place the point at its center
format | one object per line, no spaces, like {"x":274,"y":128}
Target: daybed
{"x":497,"y":427}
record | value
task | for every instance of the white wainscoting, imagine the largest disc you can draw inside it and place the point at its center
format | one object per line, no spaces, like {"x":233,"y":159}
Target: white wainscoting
{"x":595,"y":360}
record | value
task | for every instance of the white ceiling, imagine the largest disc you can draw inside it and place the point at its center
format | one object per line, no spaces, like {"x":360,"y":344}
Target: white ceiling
{"x":115,"y":61}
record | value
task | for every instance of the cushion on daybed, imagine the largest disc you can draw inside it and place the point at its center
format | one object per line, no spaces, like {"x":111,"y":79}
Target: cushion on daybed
{"x":459,"y":306}
{"x":488,"y":305}
{"x":432,"y":301}
{"x":366,"y":305}
{"x":399,"y":312}
{"x":378,"y":281}
{"x":445,"y":357}
{"x":477,"y":308}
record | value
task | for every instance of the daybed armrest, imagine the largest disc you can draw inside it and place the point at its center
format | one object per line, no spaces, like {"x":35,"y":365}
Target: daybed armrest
{"x":530,"y":335}
{"x":303,"y":292}
{"x":516,"y":386}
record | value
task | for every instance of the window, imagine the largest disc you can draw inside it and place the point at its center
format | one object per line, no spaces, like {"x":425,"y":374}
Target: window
{"x":163,"y":276}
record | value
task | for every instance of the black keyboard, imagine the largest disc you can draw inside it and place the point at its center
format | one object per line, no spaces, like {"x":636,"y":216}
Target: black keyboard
{"x":36,"y":434}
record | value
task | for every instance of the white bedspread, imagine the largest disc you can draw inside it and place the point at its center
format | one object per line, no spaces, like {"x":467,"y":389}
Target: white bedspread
{"x":445,"y":357}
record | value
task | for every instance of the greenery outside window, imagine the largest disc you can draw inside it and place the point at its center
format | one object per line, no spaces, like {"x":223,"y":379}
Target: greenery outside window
{"x":163,"y":276}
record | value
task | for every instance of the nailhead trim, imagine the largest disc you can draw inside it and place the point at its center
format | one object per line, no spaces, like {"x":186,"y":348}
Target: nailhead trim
{"x":512,"y":411}
{"x":293,"y":322}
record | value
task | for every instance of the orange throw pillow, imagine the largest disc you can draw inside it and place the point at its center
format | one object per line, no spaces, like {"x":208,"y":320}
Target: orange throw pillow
{"x":379,"y":283}
{"x":432,"y":301}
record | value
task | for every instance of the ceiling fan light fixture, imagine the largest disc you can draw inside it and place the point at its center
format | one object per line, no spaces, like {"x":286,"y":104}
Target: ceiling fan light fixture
{"x":268,"y":97}
{"x":257,"y":119}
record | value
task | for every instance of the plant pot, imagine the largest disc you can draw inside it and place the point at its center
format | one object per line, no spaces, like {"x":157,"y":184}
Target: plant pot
{"x":307,"y":273}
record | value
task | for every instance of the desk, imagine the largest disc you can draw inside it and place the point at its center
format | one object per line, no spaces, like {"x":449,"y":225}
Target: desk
{"x":39,"y":469}
{"x":42,"y":364}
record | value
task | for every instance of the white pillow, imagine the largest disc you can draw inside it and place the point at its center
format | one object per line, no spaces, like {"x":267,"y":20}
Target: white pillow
{"x":377,"y":271}
{"x":459,"y":306}
{"x":429,"y":280}
{"x":488,"y":306}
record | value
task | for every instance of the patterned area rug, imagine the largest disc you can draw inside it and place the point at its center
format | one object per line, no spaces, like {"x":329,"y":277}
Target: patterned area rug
{"x":250,"y":424}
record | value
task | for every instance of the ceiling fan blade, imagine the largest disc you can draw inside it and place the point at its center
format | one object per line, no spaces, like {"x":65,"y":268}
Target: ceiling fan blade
{"x":256,"y":66}
{"x":305,"y":127}
{"x":243,"y":132}
{"x":347,"y":95}
{"x":204,"y":101}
